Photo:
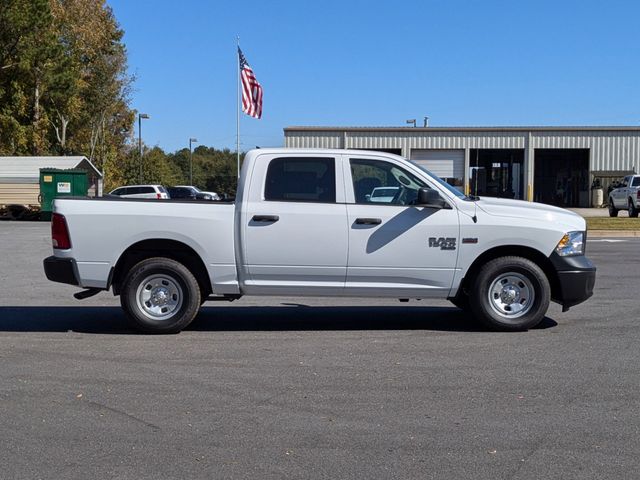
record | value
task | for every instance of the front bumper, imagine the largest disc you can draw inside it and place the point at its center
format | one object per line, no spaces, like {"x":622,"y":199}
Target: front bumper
{"x":576,"y":279}
{"x":61,"y":270}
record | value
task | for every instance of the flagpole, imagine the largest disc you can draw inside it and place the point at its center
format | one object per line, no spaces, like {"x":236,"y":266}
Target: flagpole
{"x":238,"y":112}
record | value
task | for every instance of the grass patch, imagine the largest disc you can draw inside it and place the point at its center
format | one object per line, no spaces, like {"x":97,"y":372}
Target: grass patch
{"x":608,"y":223}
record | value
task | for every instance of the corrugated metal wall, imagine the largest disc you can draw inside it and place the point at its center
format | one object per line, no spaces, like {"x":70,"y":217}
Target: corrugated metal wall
{"x":20,"y":193}
{"x":610,"y":149}
{"x":315,"y":140}
{"x":435,"y":140}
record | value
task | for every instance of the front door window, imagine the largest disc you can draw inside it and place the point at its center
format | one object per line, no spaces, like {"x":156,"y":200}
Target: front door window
{"x":377,"y":182}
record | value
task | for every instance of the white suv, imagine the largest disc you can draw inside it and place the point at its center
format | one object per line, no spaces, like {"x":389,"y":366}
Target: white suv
{"x":141,"y":191}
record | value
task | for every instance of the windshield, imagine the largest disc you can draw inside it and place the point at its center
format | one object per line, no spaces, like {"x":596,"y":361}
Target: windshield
{"x":441,"y":182}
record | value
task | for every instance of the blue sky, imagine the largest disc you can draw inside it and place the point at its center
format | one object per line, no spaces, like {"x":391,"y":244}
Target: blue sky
{"x":368,"y":63}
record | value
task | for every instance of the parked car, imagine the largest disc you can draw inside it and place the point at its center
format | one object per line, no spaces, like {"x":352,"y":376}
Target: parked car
{"x":301,"y":225}
{"x":141,"y":191}
{"x":201,"y":195}
{"x":181,"y":193}
{"x":626,"y":196}
{"x":383,"y":194}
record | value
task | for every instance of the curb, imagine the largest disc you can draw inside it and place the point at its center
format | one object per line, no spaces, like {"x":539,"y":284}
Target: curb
{"x":612,"y":233}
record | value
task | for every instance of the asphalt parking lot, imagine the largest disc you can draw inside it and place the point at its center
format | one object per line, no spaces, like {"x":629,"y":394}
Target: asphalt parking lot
{"x":315,"y":388}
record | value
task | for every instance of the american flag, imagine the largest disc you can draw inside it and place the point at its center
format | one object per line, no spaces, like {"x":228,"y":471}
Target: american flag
{"x":251,"y":89}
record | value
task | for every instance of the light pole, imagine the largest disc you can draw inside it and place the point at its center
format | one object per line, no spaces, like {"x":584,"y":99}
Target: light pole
{"x":191,"y":140}
{"x":140,"y":117}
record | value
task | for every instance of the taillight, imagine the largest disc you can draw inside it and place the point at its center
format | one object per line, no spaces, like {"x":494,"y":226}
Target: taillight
{"x":638,"y":194}
{"x":158,"y":196}
{"x":59,"y":232}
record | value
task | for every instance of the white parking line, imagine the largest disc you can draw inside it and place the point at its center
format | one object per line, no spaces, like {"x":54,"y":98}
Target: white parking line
{"x":608,"y":240}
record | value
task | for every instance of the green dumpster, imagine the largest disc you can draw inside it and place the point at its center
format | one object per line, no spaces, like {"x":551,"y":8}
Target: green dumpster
{"x":57,"y":183}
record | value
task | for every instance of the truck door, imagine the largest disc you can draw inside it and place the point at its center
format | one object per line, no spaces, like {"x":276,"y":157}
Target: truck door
{"x":620,"y":194}
{"x":295,"y":226}
{"x":396,"y":249}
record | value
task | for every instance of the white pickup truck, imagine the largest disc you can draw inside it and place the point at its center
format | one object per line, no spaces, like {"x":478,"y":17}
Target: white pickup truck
{"x":625,"y":196}
{"x":304,"y":223}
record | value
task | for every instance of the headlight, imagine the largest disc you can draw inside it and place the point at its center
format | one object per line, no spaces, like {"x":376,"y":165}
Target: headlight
{"x":571,"y":244}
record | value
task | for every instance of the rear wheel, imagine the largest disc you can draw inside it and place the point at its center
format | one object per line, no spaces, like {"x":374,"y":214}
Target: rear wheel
{"x":633,"y":211}
{"x":160,"y":295}
{"x":510,"y":293}
{"x":613,"y":211}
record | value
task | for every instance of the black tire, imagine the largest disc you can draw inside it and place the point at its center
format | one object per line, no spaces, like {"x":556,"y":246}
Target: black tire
{"x":633,"y":211}
{"x":523,"y":277}
{"x":613,"y":211}
{"x":160,"y":295}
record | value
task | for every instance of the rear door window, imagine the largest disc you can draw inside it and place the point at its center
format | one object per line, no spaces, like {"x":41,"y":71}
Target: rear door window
{"x":636,"y":182}
{"x":292,"y":179}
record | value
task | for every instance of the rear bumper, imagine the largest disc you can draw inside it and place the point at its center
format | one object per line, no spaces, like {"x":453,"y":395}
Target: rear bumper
{"x":61,"y":270}
{"x":576,"y":279}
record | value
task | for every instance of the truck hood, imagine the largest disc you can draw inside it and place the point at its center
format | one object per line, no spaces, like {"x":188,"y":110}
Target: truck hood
{"x":522,"y":209}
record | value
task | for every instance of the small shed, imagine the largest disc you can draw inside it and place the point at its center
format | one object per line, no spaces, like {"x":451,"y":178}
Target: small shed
{"x":20,"y":177}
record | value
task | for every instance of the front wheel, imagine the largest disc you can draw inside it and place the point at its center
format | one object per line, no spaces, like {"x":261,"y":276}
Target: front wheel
{"x":160,"y":295}
{"x":613,"y":211}
{"x":633,"y":211}
{"x":511,"y":294}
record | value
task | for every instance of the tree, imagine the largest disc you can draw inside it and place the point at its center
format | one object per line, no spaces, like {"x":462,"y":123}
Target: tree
{"x":96,"y":108}
{"x":213,"y":170}
{"x":64,"y":87}
{"x":29,"y":56}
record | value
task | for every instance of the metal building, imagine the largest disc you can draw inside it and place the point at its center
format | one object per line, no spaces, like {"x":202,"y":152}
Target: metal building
{"x":20,"y":177}
{"x":555,"y":165}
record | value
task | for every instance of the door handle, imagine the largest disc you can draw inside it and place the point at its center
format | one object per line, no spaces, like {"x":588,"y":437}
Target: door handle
{"x":368,"y":221}
{"x":266,"y":218}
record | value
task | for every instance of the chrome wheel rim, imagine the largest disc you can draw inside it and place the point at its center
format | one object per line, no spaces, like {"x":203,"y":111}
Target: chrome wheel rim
{"x":159,"y":297}
{"x":511,"y":295}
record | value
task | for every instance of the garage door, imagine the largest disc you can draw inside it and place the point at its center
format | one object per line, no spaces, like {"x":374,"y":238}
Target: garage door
{"x":443,"y":163}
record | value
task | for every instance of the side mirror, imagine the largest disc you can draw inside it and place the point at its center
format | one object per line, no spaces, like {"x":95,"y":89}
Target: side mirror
{"x":428,"y":197}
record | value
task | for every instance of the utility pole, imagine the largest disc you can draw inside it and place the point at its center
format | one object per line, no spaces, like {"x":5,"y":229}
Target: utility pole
{"x":191,"y":140}
{"x":140,"y":117}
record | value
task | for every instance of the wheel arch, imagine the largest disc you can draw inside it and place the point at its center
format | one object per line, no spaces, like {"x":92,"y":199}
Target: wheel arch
{"x":536,"y":256}
{"x":161,"y":247}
